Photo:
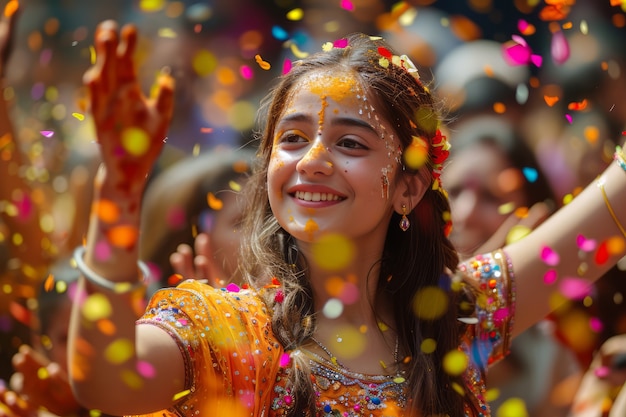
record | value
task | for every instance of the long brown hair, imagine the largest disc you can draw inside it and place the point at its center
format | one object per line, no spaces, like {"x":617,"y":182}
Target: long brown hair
{"x":411,"y":260}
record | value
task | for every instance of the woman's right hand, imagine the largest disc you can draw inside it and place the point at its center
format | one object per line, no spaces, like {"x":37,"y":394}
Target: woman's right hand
{"x":131,"y":128}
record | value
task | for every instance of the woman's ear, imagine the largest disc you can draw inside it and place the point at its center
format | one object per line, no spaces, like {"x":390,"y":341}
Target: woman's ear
{"x":411,"y":188}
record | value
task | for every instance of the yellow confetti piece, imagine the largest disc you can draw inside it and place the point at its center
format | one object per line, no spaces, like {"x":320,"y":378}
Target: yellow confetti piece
{"x":327,"y":46}
{"x":214,"y":202}
{"x":512,"y":407}
{"x":96,"y":307}
{"x":167,"y":33}
{"x":428,"y":345}
{"x":516,"y":233}
{"x":78,"y":116}
{"x":297,"y":52}
{"x":42,"y":373}
{"x":492,"y":394}
{"x":455,"y":362}
{"x":430,"y":303}
{"x":295,"y":14}
{"x":92,"y":55}
{"x":119,"y":351}
{"x":506,"y":208}
{"x":181,"y":394}
{"x":263,"y":64}
{"x":135,"y":141}
{"x":416,"y":154}
{"x":333,"y":252}
{"x":151,"y":5}
{"x":132,"y":379}
{"x":234,"y":185}
{"x":204,"y":63}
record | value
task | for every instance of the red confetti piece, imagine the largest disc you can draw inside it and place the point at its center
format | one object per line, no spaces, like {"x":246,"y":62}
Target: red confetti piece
{"x":577,"y":106}
{"x":602,"y":255}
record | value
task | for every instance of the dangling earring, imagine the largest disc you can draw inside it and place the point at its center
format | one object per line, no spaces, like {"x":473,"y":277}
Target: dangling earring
{"x":404,"y":221}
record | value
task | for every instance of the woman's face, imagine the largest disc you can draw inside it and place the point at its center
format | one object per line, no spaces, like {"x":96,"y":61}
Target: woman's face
{"x":334,"y":161}
{"x":484,"y":189}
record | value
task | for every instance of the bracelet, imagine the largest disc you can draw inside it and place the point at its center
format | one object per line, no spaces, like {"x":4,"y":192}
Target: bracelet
{"x":118,"y":287}
{"x":608,"y":206}
{"x":619,"y":157}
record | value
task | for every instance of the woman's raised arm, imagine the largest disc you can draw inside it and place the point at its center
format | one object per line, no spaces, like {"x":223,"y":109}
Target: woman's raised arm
{"x":571,"y":249}
{"x":109,"y":355}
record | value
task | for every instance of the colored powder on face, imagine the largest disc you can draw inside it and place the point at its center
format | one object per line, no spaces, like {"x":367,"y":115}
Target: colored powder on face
{"x":336,"y":87}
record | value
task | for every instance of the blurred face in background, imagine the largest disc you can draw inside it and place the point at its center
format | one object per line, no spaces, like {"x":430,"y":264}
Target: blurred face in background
{"x":484,"y":190}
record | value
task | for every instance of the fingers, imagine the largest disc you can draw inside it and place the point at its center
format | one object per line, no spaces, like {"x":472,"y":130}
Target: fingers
{"x":164,"y":97}
{"x":182,"y":261}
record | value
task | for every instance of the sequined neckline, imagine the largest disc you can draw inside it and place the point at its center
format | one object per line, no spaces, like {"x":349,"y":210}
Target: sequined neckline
{"x":318,"y":361}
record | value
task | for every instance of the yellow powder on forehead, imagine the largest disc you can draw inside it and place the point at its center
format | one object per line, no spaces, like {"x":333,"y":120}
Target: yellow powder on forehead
{"x":337,"y":87}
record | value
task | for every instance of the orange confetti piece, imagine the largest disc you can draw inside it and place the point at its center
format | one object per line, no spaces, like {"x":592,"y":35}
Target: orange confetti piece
{"x":263,"y":64}
{"x":106,"y":326}
{"x":551,"y":100}
{"x":206,"y":130}
{"x":11,"y":7}
{"x":107,"y":211}
{"x":214,"y":202}
{"x":48,"y":284}
{"x":577,"y":106}
{"x":124,"y":236}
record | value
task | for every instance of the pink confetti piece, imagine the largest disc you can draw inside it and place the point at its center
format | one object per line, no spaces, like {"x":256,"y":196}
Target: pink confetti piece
{"x":232,"y":287}
{"x":559,"y":48}
{"x":522,"y":25}
{"x":347,"y":5}
{"x":569,"y":119}
{"x":24,"y":207}
{"x":285,"y":358}
{"x":340,"y":43}
{"x":145,"y":369}
{"x":286,"y":66}
{"x":602,"y":372}
{"x":246,"y":72}
{"x":596,"y":324}
{"x":586,"y":245}
{"x":102,"y":251}
{"x":575,"y":288}
{"x":500,"y":315}
{"x":47,"y":133}
{"x":550,"y":277}
{"x":549,"y":257}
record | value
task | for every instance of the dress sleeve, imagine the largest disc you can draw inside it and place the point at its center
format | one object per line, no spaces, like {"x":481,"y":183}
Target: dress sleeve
{"x":488,"y":338}
{"x":225,"y":339}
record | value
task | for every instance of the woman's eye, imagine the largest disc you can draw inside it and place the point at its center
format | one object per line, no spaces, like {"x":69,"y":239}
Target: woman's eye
{"x":351,"y":144}
{"x":292,"y":138}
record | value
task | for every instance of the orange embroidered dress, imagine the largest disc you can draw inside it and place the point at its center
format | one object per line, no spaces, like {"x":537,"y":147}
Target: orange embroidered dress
{"x":232,"y":359}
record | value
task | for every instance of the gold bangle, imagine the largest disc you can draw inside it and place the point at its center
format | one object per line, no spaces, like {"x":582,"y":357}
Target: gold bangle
{"x":608,"y":206}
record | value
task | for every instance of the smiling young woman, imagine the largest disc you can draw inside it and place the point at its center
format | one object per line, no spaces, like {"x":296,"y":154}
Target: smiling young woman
{"x":355,"y":303}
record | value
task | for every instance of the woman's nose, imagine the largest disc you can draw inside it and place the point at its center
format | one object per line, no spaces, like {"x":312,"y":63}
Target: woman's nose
{"x":316,"y":160}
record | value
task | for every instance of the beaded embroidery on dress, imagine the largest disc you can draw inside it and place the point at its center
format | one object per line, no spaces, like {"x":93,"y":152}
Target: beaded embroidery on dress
{"x":232,"y":359}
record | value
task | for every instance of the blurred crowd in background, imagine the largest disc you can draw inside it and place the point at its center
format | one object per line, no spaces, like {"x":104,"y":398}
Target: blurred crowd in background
{"x":553,"y":71}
